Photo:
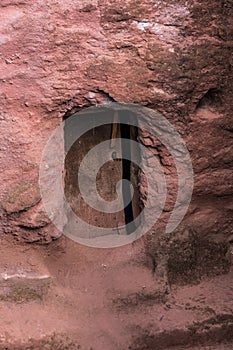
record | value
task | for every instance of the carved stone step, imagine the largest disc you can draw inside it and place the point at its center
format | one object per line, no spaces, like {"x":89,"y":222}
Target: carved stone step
{"x":23,"y":285}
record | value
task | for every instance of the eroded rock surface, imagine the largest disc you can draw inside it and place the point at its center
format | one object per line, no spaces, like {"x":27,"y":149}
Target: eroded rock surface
{"x":58,"y":57}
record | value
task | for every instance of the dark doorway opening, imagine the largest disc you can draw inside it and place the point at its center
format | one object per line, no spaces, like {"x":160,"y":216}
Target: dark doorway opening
{"x":115,"y":125}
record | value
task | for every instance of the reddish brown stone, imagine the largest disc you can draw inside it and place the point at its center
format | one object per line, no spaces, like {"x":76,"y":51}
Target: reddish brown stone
{"x":58,"y":57}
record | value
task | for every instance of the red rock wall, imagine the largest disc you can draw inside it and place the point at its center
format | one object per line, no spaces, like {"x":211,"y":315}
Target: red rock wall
{"x":60,"y":56}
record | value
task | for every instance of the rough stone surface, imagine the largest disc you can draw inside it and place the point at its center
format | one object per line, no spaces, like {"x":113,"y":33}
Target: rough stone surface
{"x":186,"y":256}
{"x":106,"y":299}
{"x":21,"y":197}
{"x":58,"y":57}
{"x":21,"y":286}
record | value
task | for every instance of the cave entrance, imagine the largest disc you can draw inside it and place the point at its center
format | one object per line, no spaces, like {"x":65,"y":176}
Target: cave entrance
{"x":116,"y":125}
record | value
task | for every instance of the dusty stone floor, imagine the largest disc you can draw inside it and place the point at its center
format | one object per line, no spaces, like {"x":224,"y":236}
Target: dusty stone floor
{"x":67,"y":296}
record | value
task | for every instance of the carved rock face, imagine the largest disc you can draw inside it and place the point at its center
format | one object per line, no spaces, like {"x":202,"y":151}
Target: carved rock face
{"x":59,"y":57}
